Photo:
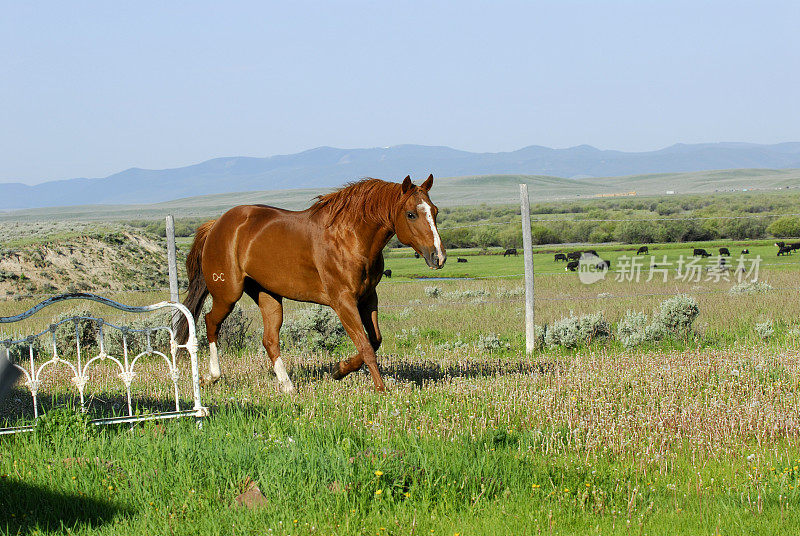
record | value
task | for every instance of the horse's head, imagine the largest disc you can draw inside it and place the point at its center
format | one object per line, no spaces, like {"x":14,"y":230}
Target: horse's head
{"x":415,"y":223}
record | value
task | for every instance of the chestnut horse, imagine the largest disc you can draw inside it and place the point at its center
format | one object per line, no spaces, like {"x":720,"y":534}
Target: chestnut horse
{"x":330,"y":253}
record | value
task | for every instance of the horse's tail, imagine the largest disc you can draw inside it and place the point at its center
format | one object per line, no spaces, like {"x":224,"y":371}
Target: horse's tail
{"x":198,"y":290}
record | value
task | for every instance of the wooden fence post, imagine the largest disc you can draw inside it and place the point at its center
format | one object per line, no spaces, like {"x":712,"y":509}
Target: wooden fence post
{"x":172,"y":261}
{"x":527,"y":246}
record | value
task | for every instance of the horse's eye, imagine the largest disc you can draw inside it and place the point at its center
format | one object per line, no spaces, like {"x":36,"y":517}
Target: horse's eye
{"x":411,"y":215}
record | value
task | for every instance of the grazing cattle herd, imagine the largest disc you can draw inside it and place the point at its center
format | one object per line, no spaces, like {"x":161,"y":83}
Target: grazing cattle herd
{"x":573,"y":258}
{"x":786,"y":249}
{"x":590,"y":257}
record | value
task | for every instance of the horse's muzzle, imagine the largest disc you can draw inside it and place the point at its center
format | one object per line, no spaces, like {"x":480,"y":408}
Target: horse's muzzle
{"x":433,"y":260}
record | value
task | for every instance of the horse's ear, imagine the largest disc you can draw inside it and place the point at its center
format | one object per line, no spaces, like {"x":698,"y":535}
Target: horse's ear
{"x":428,"y":183}
{"x":407,"y":184}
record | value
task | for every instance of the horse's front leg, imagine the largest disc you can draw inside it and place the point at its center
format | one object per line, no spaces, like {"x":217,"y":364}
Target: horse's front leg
{"x":351,"y":316}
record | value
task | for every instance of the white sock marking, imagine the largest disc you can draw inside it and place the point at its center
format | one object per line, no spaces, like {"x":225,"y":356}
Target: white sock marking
{"x":213,"y":365}
{"x":283,"y":378}
{"x":437,"y":241}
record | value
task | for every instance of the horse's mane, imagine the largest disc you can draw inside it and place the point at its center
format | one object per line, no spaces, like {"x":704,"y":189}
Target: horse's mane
{"x":369,"y":199}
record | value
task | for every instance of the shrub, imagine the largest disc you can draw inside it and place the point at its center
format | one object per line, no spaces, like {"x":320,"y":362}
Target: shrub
{"x":20,"y":353}
{"x":787,"y":226}
{"x":543,"y":235}
{"x":467,"y":294}
{"x":538,"y":336}
{"x":751,"y":287}
{"x":406,"y":337}
{"x":234,"y":333}
{"x":562,"y":332}
{"x":511,"y":293}
{"x":456,"y":344}
{"x":491,"y":342}
{"x":573,"y":331}
{"x":137,"y":340}
{"x":486,"y":237}
{"x":638,"y":232}
{"x":632,"y":329}
{"x":510,"y":237}
{"x":315,"y":328}
{"x":433,"y":292}
{"x":593,"y":326}
{"x":676,"y":314}
{"x":673,"y":317}
{"x":765,"y":329}
{"x":65,"y":333}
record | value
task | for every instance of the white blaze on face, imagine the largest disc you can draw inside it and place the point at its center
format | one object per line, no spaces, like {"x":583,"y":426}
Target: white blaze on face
{"x":425,"y":208}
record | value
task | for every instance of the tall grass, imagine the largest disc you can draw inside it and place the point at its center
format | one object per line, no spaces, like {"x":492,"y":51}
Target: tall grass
{"x":700,"y":441}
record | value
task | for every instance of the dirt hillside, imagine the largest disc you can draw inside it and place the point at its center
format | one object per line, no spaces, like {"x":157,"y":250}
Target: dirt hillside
{"x":94,"y":261}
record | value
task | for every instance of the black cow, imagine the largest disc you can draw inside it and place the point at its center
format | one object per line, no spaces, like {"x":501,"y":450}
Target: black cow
{"x":574,"y":255}
{"x":745,"y":252}
{"x":794,"y":245}
{"x":699,"y":252}
{"x":387,"y":273}
{"x":603,"y":265}
{"x":784,"y":250}
{"x":510,"y":251}
{"x":560,"y":257}
{"x":572,"y":266}
{"x":591,"y":252}
{"x":461,"y":259}
{"x":724,"y":251}
{"x":780,"y":244}
{"x":644,"y":250}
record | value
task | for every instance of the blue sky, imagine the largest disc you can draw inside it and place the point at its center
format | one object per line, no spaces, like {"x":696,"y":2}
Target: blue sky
{"x":91,"y":88}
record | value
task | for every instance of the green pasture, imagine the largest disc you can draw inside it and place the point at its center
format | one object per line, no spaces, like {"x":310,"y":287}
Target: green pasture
{"x":490,"y":262}
{"x":468,"y":448}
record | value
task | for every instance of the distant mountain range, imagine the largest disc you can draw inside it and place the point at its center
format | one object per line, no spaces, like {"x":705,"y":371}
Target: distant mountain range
{"x":327,"y":167}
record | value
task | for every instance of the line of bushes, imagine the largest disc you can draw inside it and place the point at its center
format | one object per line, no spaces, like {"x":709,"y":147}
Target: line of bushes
{"x":672,"y":319}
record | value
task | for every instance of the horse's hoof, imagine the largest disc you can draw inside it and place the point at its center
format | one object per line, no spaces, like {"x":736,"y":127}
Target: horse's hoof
{"x":336,"y":372}
{"x":286,"y":388}
{"x":207,"y":380}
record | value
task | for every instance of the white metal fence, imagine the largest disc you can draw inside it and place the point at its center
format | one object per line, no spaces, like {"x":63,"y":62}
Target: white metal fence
{"x":34,"y":368}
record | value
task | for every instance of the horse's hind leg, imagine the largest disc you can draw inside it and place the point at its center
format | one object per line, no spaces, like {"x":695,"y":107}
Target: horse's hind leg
{"x":271,"y":307}
{"x":220,"y":310}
